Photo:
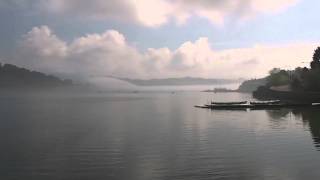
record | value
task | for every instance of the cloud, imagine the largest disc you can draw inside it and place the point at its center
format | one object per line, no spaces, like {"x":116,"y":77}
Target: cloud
{"x":101,"y":55}
{"x":154,"y":13}
{"x":271,"y":5}
{"x":96,"y":9}
{"x":42,"y":50}
{"x":91,"y":55}
{"x":217,"y":11}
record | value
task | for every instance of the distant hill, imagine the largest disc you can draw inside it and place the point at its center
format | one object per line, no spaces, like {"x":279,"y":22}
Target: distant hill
{"x":13,"y":77}
{"x":179,"y":81}
{"x":252,"y":85}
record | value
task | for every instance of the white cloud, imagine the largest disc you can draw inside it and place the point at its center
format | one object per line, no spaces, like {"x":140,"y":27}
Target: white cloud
{"x":272,"y":5}
{"x":152,"y":13}
{"x":99,"y":55}
{"x":91,"y":55}
{"x":42,"y":50}
{"x":95,"y":9}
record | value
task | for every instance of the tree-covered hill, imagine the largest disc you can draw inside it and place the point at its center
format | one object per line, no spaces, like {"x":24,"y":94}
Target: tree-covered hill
{"x":252,"y":85}
{"x":13,"y":77}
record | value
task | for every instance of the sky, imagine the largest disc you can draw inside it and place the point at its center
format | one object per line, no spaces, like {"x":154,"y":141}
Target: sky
{"x":158,"y":38}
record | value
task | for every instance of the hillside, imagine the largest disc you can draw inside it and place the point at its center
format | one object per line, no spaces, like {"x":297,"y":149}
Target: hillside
{"x":13,"y":77}
{"x":252,"y":85}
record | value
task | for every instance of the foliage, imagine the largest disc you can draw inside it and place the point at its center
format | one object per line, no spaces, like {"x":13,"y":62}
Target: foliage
{"x":300,"y":79}
{"x":14,"y":77}
{"x":278,"y":78}
{"x":311,"y":80}
{"x":315,"y":64}
{"x":251,"y":85}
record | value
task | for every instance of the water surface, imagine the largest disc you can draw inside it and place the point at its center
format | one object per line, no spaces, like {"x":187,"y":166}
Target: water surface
{"x":155,"y":135}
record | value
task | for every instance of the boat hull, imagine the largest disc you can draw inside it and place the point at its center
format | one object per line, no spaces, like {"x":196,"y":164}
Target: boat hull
{"x":256,"y":106}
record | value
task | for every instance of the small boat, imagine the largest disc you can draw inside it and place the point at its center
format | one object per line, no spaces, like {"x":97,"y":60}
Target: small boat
{"x":256,"y":105}
{"x":229,"y":103}
{"x":273,"y":102}
{"x":228,"y":106}
{"x":202,"y":106}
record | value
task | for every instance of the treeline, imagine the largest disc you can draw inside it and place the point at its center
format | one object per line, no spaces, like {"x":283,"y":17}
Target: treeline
{"x":15,"y":77}
{"x":251,"y":85}
{"x":300,"y":79}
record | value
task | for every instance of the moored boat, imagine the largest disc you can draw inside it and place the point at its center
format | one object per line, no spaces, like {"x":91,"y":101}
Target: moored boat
{"x":228,"y":106}
{"x":265,"y":102}
{"x":259,"y":105}
{"x":229,"y":103}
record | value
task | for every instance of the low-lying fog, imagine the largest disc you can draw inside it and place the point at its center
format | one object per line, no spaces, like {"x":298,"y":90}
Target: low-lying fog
{"x":110,"y":84}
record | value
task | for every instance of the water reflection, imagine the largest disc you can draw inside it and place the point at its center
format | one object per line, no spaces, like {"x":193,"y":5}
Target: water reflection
{"x":310,"y":118}
{"x":153,"y":136}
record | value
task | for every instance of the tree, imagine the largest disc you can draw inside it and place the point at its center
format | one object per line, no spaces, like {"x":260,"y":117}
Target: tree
{"x":315,"y":64}
{"x":296,"y":84}
{"x":274,"y":71}
{"x":278,"y":78}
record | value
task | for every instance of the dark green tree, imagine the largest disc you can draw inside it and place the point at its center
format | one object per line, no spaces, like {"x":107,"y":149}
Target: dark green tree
{"x":278,"y":77}
{"x":315,"y":63}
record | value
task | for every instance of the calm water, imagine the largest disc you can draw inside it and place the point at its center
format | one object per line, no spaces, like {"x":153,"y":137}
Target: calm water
{"x":153,"y":136}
